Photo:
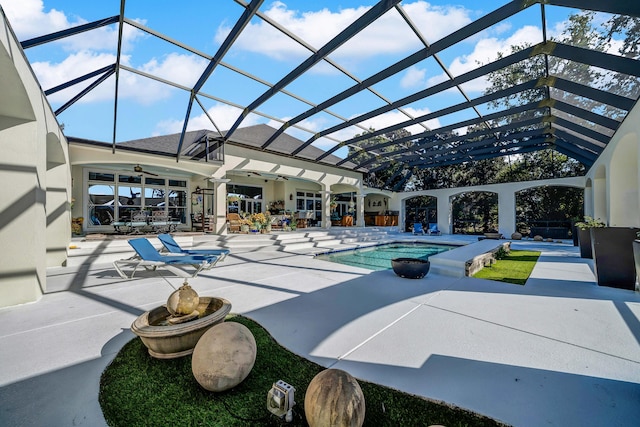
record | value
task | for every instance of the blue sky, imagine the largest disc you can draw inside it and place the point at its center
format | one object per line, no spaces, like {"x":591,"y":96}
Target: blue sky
{"x":149,"y":108}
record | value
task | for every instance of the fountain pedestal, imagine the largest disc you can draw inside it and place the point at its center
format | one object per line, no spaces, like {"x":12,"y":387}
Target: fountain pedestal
{"x":167,"y":341}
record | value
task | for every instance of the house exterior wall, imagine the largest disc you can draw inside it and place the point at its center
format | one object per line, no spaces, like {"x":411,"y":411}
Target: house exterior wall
{"x":615,"y":194}
{"x":35,"y":195}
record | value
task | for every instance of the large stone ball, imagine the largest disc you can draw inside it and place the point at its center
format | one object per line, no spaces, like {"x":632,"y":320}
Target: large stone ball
{"x":538,"y":238}
{"x":223,"y":356}
{"x":516,"y":236}
{"x":183,"y":301}
{"x":334,"y":398}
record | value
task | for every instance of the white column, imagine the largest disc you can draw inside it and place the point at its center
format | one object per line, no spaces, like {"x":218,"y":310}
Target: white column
{"x":326,"y":208}
{"x":360,"y":209}
{"x":444,"y":213}
{"x":507,"y":212}
{"x":220,"y":204}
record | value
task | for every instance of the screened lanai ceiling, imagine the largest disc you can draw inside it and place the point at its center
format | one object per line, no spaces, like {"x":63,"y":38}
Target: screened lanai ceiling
{"x":402,"y":84}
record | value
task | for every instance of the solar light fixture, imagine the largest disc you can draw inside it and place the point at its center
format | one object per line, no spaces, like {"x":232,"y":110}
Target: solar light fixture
{"x":280,"y":400}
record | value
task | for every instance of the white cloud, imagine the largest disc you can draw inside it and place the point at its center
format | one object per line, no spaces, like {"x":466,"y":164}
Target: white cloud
{"x":388,"y":119}
{"x":75,"y":65}
{"x":318,"y":27}
{"x":28,"y":18}
{"x":183,"y":69}
{"x":223,"y":115}
{"x":413,"y":78}
{"x":486,"y":50}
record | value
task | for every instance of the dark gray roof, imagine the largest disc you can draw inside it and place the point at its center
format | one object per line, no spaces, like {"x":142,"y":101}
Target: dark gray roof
{"x":251,"y":137}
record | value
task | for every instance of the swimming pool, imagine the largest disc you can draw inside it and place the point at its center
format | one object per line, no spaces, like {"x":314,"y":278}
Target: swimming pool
{"x":379,"y":257}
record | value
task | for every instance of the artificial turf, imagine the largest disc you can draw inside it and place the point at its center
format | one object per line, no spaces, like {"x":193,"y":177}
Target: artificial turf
{"x":138,"y":390}
{"x":515,"y":268}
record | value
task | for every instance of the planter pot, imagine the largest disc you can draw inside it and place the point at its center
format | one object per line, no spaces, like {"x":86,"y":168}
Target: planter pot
{"x":574,"y":233}
{"x":166,"y":341}
{"x":410,"y":268}
{"x":636,"y":256}
{"x":584,"y":241}
{"x":613,"y":256}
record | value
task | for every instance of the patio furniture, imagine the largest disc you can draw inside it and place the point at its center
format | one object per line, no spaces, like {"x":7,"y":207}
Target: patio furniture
{"x":417,"y":228}
{"x":347,"y":221}
{"x":160,"y":222}
{"x":173,"y":247}
{"x":433,"y":230}
{"x":233,"y":222}
{"x":196,"y":222}
{"x":148,"y":257}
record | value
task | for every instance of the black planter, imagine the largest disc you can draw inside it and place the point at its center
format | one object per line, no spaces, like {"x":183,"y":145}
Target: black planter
{"x":584,"y":240}
{"x":410,"y":268}
{"x":613,"y":256}
{"x":636,"y":256}
{"x":574,"y":233}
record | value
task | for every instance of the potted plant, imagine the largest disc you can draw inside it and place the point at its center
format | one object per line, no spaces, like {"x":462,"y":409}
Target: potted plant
{"x":613,"y":256}
{"x":259,"y":221}
{"x":76,"y":226}
{"x":584,"y":236}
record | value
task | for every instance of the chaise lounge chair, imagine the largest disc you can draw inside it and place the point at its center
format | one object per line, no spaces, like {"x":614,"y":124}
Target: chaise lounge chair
{"x":174,"y":248}
{"x":148,"y":257}
{"x":417,"y":228}
{"x":433,"y":230}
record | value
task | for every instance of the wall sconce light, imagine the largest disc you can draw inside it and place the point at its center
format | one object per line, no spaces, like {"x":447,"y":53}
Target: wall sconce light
{"x":198,"y":189}
{"x":291,"y":196}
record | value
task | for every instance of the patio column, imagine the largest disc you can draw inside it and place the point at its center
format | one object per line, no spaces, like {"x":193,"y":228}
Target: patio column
{"x":444,"y":213}
{"x":507,"y":212}
{"x":360,"y":209}
{"x":220,"y":204}
{"x":326,"y":208}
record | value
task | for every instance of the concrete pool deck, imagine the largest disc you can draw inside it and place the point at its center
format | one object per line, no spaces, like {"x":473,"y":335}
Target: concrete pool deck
{"x":559,"y":351}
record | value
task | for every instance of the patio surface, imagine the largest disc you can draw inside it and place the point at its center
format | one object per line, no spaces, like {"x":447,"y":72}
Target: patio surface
{"x":559,"y":351}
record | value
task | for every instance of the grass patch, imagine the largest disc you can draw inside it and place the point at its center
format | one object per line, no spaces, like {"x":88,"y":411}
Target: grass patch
{"x":138,"y":390}
{"x":514,"y":268}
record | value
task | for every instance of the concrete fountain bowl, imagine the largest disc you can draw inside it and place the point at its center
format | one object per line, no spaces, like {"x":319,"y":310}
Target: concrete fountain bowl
{"x":165,"y":340}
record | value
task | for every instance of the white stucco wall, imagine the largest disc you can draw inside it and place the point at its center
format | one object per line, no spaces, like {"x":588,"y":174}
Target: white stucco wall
{"x":34,"y":197}
{"x":506,"y":200}
{"x":615,"y":194}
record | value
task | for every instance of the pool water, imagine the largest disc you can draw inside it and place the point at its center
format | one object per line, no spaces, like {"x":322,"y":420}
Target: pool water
{"x":379,"y":257}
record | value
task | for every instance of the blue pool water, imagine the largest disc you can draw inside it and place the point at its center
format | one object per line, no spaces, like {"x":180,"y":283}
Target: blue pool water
{"x":379,"y":257}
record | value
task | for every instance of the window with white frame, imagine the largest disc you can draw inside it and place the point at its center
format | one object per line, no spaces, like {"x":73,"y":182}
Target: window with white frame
{"x":116,"y":196}
{"x":309,"y":202}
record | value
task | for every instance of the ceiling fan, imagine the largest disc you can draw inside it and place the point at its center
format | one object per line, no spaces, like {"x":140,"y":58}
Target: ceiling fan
{"x":138,"y":169}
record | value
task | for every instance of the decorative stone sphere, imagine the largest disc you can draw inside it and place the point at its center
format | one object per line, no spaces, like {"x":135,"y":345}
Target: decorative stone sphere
{"x":516,"y":236}
{"x":334,"y":398}
{"x":538,"y":238}
{"x":550,"y":240}
{"x":223,"y":356}
{"x":183,"y":300}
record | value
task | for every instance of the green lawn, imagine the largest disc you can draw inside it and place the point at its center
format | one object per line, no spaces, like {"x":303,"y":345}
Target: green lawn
{"x":138,"y":390}
{"x":514,"y":268}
